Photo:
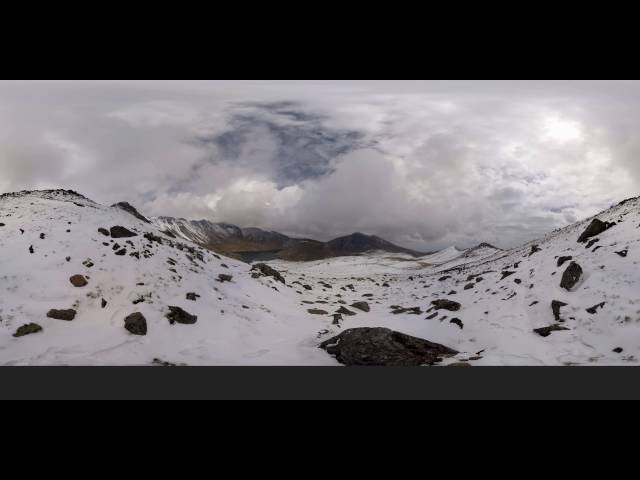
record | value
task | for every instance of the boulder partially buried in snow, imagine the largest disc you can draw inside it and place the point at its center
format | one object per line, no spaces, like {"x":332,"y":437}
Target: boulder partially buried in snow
{"x":384,"y":347}
{"x":571,"y":276}
{"x":121,"y":232}
{"x":178,"y":315}
{"x":267,"y":271}
{"x":136,"y":324}
{"x":446,"y":305}
{"x":78,"y":281}
{"x":66,"y":315}
{"x":27,"y":329}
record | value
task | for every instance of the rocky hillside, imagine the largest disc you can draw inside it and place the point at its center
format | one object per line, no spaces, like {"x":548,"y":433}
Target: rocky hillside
{"x":86,"y":284}
{"x":251,"y":244}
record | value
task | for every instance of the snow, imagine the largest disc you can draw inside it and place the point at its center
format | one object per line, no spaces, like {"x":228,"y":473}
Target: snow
{"x":276,"y":328}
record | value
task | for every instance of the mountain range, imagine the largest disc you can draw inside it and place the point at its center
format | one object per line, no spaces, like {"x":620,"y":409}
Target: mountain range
{"x":252,"y":244}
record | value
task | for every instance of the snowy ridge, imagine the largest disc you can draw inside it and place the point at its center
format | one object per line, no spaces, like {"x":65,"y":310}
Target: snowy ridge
{"x":503,"y":298}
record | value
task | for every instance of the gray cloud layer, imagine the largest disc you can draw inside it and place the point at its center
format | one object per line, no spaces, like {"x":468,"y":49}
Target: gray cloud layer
{"x":424,"y":164}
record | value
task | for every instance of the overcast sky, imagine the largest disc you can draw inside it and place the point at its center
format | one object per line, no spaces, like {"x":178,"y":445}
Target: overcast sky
{"x":425,"y":164}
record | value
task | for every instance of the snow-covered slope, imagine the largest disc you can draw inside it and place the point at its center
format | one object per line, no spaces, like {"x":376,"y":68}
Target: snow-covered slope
{"x":503,"y":296}
{"x":244,"y":321}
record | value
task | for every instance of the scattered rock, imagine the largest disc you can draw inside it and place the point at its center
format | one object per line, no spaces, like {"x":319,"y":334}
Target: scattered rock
{"x":192,"y":296}
{"x":345,"y":311}
{"x":411,"y":311}
{"x":446,"y":305}
{"x":121,"y":232}
{"x":432,"y":316}
{"x":178,"y":315}
{"x":458,"y":322}
{"x":556,"y":305}
{"x":442,"y":279}
{"x":617,"y":350}
{"x":122,"y":252}
{"x":364,"y":306}
{"x":562,"y":260}
{"x":337,"y":318}
{"x":469,"y":286}
{"x":593,"y":310}
{"x":27,"y":329}
{"x":223,"y":277}
{"x":384,"y":347}
{"x":317,"y":311}
{"x":66,"y":315}
{"x":534,"y":249}
{"x":546,"y":331}
{"x":592,"y":243}
{"x":505,"y":274}
{"x":623,"y":253}
{"x":267,"y":271}
{"x":596,"y":227}
{"x":78,"y":281}
{"x":136,"y":324}
{"x":103,"y":303}
{"x":571,"y":276}
{"x":104,"y":232}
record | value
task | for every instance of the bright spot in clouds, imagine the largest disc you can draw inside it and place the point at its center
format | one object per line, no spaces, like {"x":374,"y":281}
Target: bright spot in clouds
{"x":561,"y":130}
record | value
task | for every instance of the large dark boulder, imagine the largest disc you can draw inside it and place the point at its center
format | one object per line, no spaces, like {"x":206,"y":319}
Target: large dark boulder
{"x":596,"y":227}
{"x":136,"y":324}
{"x":446,"y":305}
{"x":66,"y":315}
{"x":178,"y":315}
{"x":384,"y":347}
{"x":265,"y":270}
{"x":571,"y":276}
{"x":121,"y":232}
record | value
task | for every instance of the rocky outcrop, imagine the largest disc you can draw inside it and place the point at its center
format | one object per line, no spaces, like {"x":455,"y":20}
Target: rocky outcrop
{"x":262,"y":269}
{"x":121,"y":232}
{"x":130,"y":209}
{"x":596,"y":227}
{"x":384,"y":347}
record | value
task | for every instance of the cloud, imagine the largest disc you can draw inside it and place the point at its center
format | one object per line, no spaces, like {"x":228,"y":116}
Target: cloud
{"x":423,"y":164}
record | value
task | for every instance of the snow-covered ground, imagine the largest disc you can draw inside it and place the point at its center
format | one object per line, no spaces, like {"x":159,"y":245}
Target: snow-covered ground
{"x":259,"y":321}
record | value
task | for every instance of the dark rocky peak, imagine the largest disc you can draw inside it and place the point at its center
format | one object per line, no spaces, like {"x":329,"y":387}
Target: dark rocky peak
{"x":127,"y":207}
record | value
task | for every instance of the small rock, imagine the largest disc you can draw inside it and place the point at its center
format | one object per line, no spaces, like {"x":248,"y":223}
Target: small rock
{"x":546,"y":331}
{"x":446,"y":305}
{"x":458,"y":322}
{"x":562,"y":260}
{"x":78,"y":281}
{"x":27,"y":329}
{"x":104,"y":232}
{"x":595,"y":308}
{"x":223,"y":277}
{"x":192,"y":296}
{"x":345,"y":311}
{"x":617,"y":350}
{"x":364,"y":306}
{"x":555,"y":307}
{"x":317,"y":311}
{"x":66,"y":315}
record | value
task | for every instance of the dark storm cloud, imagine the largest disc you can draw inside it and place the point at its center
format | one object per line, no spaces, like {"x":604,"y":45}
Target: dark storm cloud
{"x":283,"y":140}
